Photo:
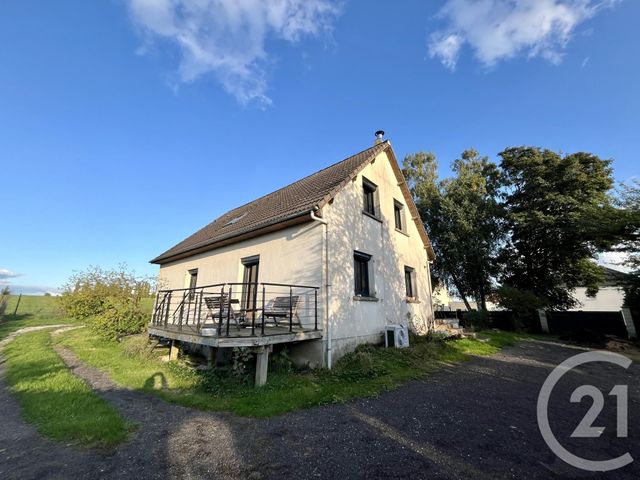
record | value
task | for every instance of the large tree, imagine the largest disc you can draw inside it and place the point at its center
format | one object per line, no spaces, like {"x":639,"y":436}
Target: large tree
{"x":629,"y":202}
{"x":462,"y":217}
{"x":560,"y":214}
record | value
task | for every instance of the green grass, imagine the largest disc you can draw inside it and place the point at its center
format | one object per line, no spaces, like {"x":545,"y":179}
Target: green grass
{"x":33,"y":311}
{"x":366,"y":372}
{"x":59,"y":404}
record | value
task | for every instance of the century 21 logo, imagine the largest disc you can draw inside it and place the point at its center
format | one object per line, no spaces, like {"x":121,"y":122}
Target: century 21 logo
{"x":585,"y":428}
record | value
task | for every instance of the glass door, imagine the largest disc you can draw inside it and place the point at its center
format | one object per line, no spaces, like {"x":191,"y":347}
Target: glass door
{"x":250,"y":287}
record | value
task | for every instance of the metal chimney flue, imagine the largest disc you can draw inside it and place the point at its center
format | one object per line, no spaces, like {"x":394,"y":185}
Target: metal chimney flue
{"x":379,"y":137}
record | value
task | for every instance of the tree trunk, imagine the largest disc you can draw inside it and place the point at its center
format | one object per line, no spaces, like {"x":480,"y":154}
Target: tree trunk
{"x":460,"y":292}
{"x":483,"y":299}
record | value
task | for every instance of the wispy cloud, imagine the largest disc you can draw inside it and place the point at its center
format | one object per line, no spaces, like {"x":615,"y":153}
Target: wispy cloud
{"x":227,"y":38}
{"x":4,"y":274}
{"x":502,"y":29}
{"x":33,"y":290}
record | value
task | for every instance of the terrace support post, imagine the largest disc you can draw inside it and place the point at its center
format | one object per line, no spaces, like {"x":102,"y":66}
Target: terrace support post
{"x":211,"y":355}
{"x":544,"y":324}
{"x":628,"y":322}
{"x":262,"y":364}
{"x":174,"y":350}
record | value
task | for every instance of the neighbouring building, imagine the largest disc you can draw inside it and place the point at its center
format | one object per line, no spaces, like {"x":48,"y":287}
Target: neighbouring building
{"x":323,"y":265}
{"x":610,"y":296}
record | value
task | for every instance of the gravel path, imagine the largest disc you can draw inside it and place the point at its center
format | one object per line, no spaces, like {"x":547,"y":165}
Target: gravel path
{"x":20,"y":331}
{"x":475,"y":420}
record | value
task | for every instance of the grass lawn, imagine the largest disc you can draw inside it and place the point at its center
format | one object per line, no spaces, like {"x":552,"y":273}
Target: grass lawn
{"x":59,"y":404}
{"x":33,"y":311}
{"x":366,"y":372}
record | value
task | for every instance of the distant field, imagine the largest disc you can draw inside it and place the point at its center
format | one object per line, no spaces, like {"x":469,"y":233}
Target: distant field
{"x":34,"y":310}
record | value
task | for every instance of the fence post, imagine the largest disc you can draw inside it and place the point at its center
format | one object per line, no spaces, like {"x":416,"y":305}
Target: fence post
{"x":627,"y":318}
{"x":544,"y":324}
{"x":15,"y":312}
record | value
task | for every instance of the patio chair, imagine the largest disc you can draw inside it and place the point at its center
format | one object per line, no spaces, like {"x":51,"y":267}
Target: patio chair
{"x":282,"y":307}
{"x":215,"y":304}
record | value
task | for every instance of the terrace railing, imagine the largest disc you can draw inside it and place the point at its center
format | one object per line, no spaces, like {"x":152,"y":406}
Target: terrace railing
{"x":235,"y":309}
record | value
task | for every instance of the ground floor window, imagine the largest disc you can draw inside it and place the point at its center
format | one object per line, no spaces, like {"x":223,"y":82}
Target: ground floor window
{"x":361,"y":274}
{"x":409,"y":282}
{"x":193,"y":281}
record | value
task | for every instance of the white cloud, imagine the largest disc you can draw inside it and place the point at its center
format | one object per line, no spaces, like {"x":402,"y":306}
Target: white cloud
{"x":502,"y":29}
{"x":4,"y":273}
{"x":228,"y":37}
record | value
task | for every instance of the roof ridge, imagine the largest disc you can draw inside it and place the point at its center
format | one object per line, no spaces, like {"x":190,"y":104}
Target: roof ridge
{"x":300,"y":179}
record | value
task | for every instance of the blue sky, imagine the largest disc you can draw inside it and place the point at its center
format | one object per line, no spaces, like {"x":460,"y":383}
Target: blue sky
{"x":125,"y":125}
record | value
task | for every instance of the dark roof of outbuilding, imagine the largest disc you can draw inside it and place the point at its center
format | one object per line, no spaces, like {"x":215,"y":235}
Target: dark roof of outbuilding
{"x":613,"y":278}
{"x":284,"y":205}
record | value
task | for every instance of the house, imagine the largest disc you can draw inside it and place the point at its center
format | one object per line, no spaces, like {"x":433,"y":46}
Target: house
{"x":322,"y":265}
{"x":610,"y":296}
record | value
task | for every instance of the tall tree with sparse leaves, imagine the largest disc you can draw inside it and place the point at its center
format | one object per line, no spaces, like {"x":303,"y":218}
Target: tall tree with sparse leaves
{"x":462,"y":216}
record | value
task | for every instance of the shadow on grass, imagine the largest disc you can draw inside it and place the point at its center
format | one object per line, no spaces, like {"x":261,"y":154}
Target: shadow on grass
{"x":157,"y":381}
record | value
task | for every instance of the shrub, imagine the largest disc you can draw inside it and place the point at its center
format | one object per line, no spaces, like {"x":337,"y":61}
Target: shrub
{"x":109,"y":300}
{"x":119,"y":317}
{"x":522,"y":303}
{"x":241,"y":364}
{"x":281,"y":361}
{"x":4,"y":299}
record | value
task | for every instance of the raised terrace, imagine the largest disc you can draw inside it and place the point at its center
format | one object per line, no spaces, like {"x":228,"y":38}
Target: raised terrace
{"x":231,"y":315}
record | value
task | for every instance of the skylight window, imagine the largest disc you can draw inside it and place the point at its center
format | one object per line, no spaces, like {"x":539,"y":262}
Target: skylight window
{"x":234,"y":220}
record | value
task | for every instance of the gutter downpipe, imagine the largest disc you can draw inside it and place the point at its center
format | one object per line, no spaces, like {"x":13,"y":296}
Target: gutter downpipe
{"x":327,"y":285}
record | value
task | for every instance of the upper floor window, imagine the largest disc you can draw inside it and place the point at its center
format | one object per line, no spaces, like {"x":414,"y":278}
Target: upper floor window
{"x":398,"y":210}
{"x":369,"y":192}
{"x":361,"y":274}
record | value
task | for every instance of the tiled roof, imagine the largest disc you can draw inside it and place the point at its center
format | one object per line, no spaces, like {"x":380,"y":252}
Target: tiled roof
{"x":289,"y":202}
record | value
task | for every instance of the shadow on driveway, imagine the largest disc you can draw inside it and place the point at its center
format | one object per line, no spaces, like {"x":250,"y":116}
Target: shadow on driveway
{"x":474,"y":420}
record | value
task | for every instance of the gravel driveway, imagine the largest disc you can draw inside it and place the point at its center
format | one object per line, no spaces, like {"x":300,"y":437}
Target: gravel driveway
{"x":474,"y":420}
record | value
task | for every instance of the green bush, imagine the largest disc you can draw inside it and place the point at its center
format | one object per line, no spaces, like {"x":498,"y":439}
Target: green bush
{"x":281,"y":361}
{"x":110,"y":301}
{"x":119,"y":317}
{"x":522,"y":303}
{"x":4,"y":299}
